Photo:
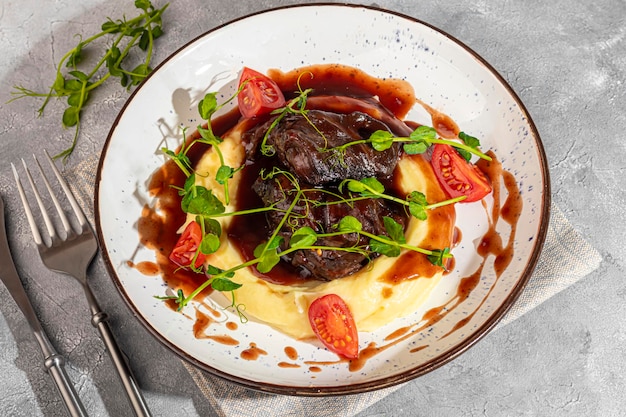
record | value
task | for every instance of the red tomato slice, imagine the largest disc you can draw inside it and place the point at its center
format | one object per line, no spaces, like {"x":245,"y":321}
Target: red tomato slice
{"x":457,"y":176}
{"x":187,"y":246}
{"x":334,"y":325}
{"x":260,"y":94}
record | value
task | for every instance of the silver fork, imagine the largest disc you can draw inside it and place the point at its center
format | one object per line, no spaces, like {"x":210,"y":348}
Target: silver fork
{"x":71,"y":253}
{"x":53,"y":361}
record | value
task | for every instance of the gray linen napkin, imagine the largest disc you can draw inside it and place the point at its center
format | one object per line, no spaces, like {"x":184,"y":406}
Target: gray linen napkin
{"x":566,"y":258}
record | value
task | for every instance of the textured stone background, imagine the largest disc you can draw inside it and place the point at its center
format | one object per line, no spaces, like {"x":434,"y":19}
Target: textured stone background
{"x":566,"y":60}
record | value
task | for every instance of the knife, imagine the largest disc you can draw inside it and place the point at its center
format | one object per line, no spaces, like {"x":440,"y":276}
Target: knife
{"x":53,"y":362}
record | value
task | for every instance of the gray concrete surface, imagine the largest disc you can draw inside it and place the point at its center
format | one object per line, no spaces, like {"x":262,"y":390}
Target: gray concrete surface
{"x":566,"y":60}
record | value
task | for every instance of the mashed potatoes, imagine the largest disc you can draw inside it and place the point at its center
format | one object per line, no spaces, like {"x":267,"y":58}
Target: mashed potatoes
{"x":376,"y":295}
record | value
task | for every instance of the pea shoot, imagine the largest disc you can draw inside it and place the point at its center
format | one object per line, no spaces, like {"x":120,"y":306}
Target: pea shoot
{"x":417,"y":142}
{"x":77,"y":85}
{"x":415,"y":201}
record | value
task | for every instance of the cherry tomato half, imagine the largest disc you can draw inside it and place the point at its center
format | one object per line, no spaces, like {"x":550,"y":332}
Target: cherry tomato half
{"x":187,"y":246}
{"x":260,"y":94}
{"x":457,"y":176}
{"x":334,"y":325}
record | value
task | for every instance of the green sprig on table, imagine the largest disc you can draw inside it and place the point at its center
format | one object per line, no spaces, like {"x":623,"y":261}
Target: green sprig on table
{"x":77,"y":84}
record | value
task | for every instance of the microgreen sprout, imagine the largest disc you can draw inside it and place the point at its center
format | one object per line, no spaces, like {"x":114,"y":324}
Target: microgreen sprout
{"x":415,"y":201}
{"x":417,"y":142}
{"x":78,"y":84}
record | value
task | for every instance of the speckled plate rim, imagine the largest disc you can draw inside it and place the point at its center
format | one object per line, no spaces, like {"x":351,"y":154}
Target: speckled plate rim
{"x":391,"y":380}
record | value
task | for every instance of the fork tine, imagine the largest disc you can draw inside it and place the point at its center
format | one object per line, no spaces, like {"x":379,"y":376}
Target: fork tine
{"x":29,"y":213}
{"x":44,"y":213}
{"x":68,"y":193}
{"x":55,"y":201}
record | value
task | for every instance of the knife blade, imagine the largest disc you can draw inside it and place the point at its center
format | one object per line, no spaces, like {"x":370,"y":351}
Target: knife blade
{"x":53,"y":362}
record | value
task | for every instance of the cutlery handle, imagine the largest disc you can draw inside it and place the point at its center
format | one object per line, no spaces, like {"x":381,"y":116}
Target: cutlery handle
{"x":99,"y":321}
{"x":55,"y":365}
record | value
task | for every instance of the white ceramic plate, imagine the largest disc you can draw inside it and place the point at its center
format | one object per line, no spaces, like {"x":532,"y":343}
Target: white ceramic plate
{"x":444,"y":72}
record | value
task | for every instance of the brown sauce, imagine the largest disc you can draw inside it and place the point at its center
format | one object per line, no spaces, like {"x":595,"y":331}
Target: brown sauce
{"x":510,"y":212}
{"x":443,"y":124}
{"x":145,"y":267}
{"x":223,"y":339}
{"x":336,"y":79}
{"x":398,"y":333}
{"x":410,"y":265}
{"x":288,"y":365}
{"x":158,"y":225}
{"x":417,"y":349}
{"x":201,"y":324}
{"x":291,"y":353}
{"x":387,"y":292}
{"x":213,"y":311}
{"x":252,"y":353}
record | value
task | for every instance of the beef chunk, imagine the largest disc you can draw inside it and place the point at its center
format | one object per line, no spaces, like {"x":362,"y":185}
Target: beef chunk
{"x":302,"y":145}
{"x":313,"y":211}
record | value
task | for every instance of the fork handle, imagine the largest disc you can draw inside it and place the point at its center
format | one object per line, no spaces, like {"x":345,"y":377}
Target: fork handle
{"x":99,"y":321}
{"x":55,"y":365}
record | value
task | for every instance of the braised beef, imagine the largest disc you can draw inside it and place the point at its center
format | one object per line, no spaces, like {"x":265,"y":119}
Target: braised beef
{"x":314,"y":211}
{"x":303,"y":146}
{"x":368,"y":105}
